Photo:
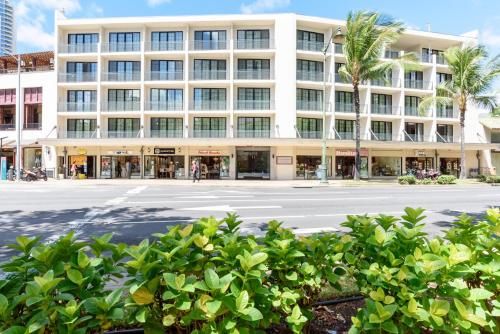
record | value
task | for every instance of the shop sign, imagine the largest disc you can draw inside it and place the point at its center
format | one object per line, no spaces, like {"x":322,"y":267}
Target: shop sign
{"x":420,"y":153}
{"x":119,"y":152}
{"x":351,"y":153}
{"x":284,"y":160}
{"x":209,"y":152}
{"x":82,"y":151}
{"x":164,"y":150}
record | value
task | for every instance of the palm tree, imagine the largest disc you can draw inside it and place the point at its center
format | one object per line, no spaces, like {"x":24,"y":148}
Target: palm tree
{"x":472,"y":77}
{"x":366,"y":36}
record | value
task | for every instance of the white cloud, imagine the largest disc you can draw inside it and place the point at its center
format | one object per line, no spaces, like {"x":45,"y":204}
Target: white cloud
{"x":69,"y":6}
{"x":32,"y":34}
{"x":263,"y":6}
{"x":154,"y":3}
{"x":490,"y":37}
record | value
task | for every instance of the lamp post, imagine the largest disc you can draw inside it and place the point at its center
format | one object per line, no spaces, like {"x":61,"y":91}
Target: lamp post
{"x":18,"y":118}
{"x":323,"y":167}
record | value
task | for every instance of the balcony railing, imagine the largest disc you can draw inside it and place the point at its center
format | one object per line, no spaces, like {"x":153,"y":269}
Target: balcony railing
{"x":165,"y":76}
{"x":385,"y":110}
{"x":446,"y":113}
{"x":310,"y":75}
{"x":179,"y":133}
{"x":121,"y":134}
{"x":344,"y":135}
{"x":385,"y":83}
{"x":340,"y":79}
{"x":253,"y":75}
{"x":77,"y":106}
{"x":345,"y":107}
{"x":210,"y":75}
{"x":253,"y":133}
{"x":414,"y":111}
{"x":78,"y":134}
{"x":253,"y":105}
{"x":210,"y":105}
{"x":309,"y":105}
{"x":209,"y":45}
{"x":209,"y":133}
{"x":122,"y":76}
{"x":412,"y":137}
{"x":7,"y":127}
{"x":121,"y":47}
{"x":440,"y":59}
{"x":165,"y":46}
{"x":425,"y":58}
{"x":417,"y":84}
{"x":78,"y":48}
{"x":121,"y":106}
{"x":310,"y":46}
{"x":32,"y":126}
{"x":164,"y":106}
{"x":78,"y":77}
{"x":379,"y":136}
{"x":339,"y":48}
{"x":391,"y":54}
{"x":253,"y":44}
{"x":440,"y":138}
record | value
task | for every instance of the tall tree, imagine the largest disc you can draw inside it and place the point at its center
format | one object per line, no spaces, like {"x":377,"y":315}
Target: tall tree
{"x":366,"y":37}
{"x":472,"y":77}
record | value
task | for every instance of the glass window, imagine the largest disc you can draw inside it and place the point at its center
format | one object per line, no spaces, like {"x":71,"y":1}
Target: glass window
{"x":83,"y":38}
{"x":386,"y":166}
{"x":382,"y":130}
{"x":81,"y":125}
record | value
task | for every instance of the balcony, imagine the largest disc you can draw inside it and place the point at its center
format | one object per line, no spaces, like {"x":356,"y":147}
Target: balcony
{"x":78,"y":48}
{"x":199,"y":45}
{"x":253,"y":134}
{"x":339,"y":49}
{"x":78,"y":77}
{"x":209,"y":133}
{"x":121,"y":106}
{"x":309,"y":105}
{"x":164,"y":106}
{"x":385,"y":110}
{"x":78,"y":134}
{"x":253,"y":105}
{"x":210,"y":75}
{"x":425,"y":58}
{"x":340,"y":79}
{"x":379,"y":136}
{"x":385,"y":83}
{"x":165,"y":133}
{"x":121,"y":47}
{"x":7,"y":127}
{"x":414,"y":111}
{"x":165,"y":76}
{"x":121,"y":134}
{"x":345,"y":107}
{"x":310,"y":46}
{"x":32,"y":126}
{"x":310,"y":76}
{"x":412,"y":137}
{"x":417,"y":84}
{"x":122,"y":76}
{"x":165,"y":46}
{"x":441,"y":60}
{"x":443,"y":112}
{"x":77,"y":106}
{"x":391,"y":54}
{"x":441,"y":138}
{"x":253,"y":44}
{"x":344,"y":135}
{"x":253,"y":75}
{"x":210,"y":105}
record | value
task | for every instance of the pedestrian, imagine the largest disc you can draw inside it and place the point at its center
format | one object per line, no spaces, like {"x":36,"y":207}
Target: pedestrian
{"x":118,"y":170}
{"x":73,"y":170}
{"x":195,"y":170}
{"x":128,"y":169}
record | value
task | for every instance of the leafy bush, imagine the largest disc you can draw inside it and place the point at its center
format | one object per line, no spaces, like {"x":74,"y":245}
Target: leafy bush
{"x":425,"y":181}
{"x":482,"y":178}
{"x":446,"y":179}
{"x":493,"y":179}
{"x":407,"y":179}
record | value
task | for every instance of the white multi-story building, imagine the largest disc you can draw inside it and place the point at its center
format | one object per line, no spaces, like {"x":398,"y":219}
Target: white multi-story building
{"x":244,"y":95}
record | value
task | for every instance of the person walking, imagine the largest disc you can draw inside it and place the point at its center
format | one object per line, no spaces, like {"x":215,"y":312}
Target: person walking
{"x":118,"y":170}
{"x":73,"y":170}
{"x":195,"y":170}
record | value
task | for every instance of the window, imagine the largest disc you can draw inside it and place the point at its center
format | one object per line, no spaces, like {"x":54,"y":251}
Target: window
{"x":124,"y":99}
{"x":495,"y":137}
{"x":310,"y":127}
{"x":381,"y":104}
{"x":254,"y":98}
{"x":81,"y":100}
{"x":123,"y":127}
{"x":443,"y":77}
{"x":166,"y":127}
{"x":253,"y":39}
{"x":209,"y":69}
{"x":254,"y":127}
{"x":339,"y":78}
{"x":211,"y":127}
{"x":309,"y":70}
{"x":344,"y":128}
{"x":166,"y":99}
{"x":444,"y":133}
{"x":384,"y":81}
{"x":414,"y":79}
{"x":124,"y":41}
{"x":310,"y":41}
{"x":427,"y":55}
{"x":210,"y":99}
{"x":166,"y":69}
{"x":254,"y":68}
{"x":82,"y":43}
{"x":309,"y":99}
{"x":124,"y":70}
{"x":166,"y":40}
{"x":411,"y":105}
{"x":382,"y":130}
{"x":81,"y":125}
{"x":210,"y":40}
{"x":344,"y":101}
{"x":414,"y":131}
{"x":81,"y":67}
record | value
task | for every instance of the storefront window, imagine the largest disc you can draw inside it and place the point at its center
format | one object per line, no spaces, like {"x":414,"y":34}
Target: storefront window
{"x":164,"y":167}
{"x":32,"y":157}
{"x":386,"y":166}
{"x":449,"y":166}
{"x":85,"y":165}
{"x":253,"y":164}
{"x":212,"y":167}
{"x":307,"y":166}
{"x":419,"y":164}
{"x":120,"y":167}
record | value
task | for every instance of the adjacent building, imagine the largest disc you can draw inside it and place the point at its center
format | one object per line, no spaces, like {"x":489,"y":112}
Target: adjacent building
{"x":7,"y":28}
{"x":244,"y":95}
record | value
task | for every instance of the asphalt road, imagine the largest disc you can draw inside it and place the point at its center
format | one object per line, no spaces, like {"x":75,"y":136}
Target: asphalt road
{"x":133,"y":211}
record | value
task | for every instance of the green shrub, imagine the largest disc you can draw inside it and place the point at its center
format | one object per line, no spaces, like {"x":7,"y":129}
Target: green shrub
{"x":407,"y":179}
{"x":425,"y":181}
{"x":493,"y":179}
{"x":446,"y":179}
{"x":482,"y":178}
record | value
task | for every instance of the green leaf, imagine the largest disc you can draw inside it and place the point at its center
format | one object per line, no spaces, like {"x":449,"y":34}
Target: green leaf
{"x":4,"y":304}
{"x":141,"y":316}
{"x":168,"y":320}
{"x":257,"y":259}
{"x":412,"y":306}
{"x":380,"y":234}
{"x":142,"y":296}
{"x":113,"y":298}
{"x":75,"y":276}
{"x":390,"y":327}
{"x":252,"y":314}
{"x":439,"y":308}
{"x":83,"y":260}
{"x":214,"y":306}
{"x":212,"y":279}
{"x":378,"y":295}
{"x":459,"y":253}
{"x":291,"y":276}
{"x":480,"y":294}
{"x":186,"y":231}
{"x":15,"y":330}
{"x":242,"y":301}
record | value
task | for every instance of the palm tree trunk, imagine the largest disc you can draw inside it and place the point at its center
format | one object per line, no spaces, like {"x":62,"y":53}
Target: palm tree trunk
{"x":462,"y":144}
{"x":357,"y":159}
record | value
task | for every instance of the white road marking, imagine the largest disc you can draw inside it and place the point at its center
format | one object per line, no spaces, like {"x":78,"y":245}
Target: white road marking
{"x":271,"y":217}
{"x":228,"y":208}
{"x":115,"y":201}
{"x":136,"y":190}
{"x":266,"y":200}
{"x":214,"y":197}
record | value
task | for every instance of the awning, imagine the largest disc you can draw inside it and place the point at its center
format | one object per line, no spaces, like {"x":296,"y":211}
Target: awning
{"x":492,"y":123}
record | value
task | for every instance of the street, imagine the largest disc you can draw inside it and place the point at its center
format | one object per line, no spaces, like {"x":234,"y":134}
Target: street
{"x":134,"y":210}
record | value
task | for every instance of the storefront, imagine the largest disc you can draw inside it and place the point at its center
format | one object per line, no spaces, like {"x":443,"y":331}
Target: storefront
{"x":449,"y":166}
{"x":213,"y":164}
{"x":32,"y":157}
{"x":386,"y":166}
{"x":85,"y":165}
{"x":120,"y":164}
{"x":345,"y":161}
{"x":253,"y":163}
{"x":307,"y":165}
{"x":164,"y":164}
{"x":422,"y":163}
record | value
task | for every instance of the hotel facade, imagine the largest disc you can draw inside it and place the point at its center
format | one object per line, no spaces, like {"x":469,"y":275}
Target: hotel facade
{"x":244,"y":95}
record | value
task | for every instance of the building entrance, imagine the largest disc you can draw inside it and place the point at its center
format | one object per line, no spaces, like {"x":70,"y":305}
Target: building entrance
{"x":253,"y":163}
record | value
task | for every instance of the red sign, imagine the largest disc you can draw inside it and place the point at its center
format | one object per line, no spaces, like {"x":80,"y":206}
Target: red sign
{"x":351,"y":153}
{"x":209,"y":152}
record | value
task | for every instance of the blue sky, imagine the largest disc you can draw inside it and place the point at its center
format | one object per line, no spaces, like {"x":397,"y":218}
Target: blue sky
{"x":36,"y":17}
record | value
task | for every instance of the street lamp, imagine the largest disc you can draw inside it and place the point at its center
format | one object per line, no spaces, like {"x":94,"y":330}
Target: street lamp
{"x":323,"y":168}
{"x":18,"y":118}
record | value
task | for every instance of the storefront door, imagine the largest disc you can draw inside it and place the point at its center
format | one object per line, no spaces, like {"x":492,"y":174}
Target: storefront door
{"x":449,"y":166}
{"x":212,"y":167}
{"x":344,"y":167}
{"x":164,"y":166}
{"x":253,"y":164}
{"x":85,"y":166}
{"x":120,"y":167}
